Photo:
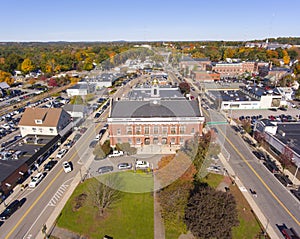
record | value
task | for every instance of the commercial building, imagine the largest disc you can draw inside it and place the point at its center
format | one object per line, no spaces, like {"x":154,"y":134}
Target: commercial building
{"x":247,"y":98}
{"x":283,"y":138}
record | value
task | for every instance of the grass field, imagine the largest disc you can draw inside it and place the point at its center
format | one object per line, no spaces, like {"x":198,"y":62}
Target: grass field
{"x":249,"y":227}
{"x":213,"y":180}
{"x":130,"y":217}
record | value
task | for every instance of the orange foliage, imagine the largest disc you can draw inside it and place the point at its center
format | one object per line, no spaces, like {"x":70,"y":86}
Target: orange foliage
{"x":173,"y":167}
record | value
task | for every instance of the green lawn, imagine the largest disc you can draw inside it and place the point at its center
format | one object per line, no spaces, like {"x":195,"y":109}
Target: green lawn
{"x":213,"y":180}
{"x":249,"y":227}
{"x":130,"y":217}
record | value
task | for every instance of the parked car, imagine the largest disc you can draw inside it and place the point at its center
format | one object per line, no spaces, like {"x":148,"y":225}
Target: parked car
{"x":214,"y":168}
{"x":105,"y":169}
{"x":259,"y":155}
{"x":116,"y":153}
{"x":124,"y":166}
{"x":296,"y":193}
{"x":67,"y":166}
{"x":271,"y":166}
{"x":284,"y":179}
{"x":69,"y":144}
{"x":14,"y":206}
{"x":61,"y":153}
{"x":140,"y":164}
{"x":48,"y":166}
{"x":36,"y":180}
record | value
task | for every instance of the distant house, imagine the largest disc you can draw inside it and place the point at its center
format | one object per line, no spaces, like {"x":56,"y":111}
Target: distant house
{"x":44,"y":121}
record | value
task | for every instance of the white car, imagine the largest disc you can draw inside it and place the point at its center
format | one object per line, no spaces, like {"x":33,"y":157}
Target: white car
{"x":116,"y":153}
{"x":142,"y":164}
{"x":36,"y":180}
{"x":67,"y":167}
{"x":61,"y":153}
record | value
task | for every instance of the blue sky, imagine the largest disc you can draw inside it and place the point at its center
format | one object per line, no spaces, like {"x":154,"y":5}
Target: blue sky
{"x":110,"y":20}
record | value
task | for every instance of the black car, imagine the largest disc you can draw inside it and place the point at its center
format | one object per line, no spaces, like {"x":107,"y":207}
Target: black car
{"x":14,"y":206}
{"x":105,"y":169}
{"x":284,"y":179}
{"x":296,"y":193}
{"x":271,"y":165}
{"x":259,"y":155}
{"x":48,"y":166}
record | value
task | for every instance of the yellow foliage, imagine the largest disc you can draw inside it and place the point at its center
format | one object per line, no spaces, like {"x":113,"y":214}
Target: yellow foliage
{"x":6,"y":77}
{"x":286,"y":57}
{"x":74,"y":80}
{"x":27,"y":65}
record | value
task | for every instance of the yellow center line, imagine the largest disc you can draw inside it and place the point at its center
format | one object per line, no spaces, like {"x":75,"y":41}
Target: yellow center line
{"x":42,"y":194}
{"x":260,"y":179}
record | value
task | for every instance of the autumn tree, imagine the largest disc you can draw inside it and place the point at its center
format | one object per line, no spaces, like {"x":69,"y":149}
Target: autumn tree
{"x":27,"y":65}
{"x":184,"y":87}
{"x":210,"y":213}
{"x":52,"y":82}
{"x":103,"y":192}
{"x":174,"y":197}
{"x":6,"y":77}
{"x":286,"y":57}
{"x":286,"y":158}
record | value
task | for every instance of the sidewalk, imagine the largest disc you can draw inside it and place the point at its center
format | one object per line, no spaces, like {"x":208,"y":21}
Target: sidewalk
{"x":50,"y":223}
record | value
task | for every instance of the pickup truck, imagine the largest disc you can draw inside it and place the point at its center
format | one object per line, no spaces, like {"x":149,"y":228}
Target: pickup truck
{"x":116,"y":153}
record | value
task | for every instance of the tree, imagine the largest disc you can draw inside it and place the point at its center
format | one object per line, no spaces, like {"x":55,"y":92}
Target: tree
{"x":286,"y":58}
{"x":52,"y":82}
{"x":6,"y":77}
{"x":76,"y":100}
{"x":173,"y":200}
{"x":210,"y":213}
{"x":104,"y":193}
{"x":184,"y":87}
{"x":27,"y":66}
{"x":286,"y":158}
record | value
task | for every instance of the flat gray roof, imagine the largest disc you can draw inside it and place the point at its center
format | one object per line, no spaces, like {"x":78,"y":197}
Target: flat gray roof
{"x":292,"y":135}
{"x":29,"y":149}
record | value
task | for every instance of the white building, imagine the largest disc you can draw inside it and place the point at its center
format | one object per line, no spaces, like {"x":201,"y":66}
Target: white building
{"x":44,"y":121}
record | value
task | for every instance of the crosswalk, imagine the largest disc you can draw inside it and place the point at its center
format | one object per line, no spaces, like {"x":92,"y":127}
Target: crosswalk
{"x":59,"y":193}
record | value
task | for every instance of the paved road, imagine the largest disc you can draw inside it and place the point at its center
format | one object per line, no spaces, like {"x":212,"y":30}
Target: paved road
{"x":274,"y":200}
{"x":42,"y":200}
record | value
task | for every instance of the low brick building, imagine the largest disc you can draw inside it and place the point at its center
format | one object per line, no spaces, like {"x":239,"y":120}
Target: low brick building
{"x":154,"y":116}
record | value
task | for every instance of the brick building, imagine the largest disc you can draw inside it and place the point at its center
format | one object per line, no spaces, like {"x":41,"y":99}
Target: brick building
{"x":205,"y":76}
{"x":234,"y":69}
{"x":154,"y":115}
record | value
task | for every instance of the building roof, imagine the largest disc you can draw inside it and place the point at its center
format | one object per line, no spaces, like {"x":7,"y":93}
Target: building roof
{"x":75,"y":108}
{"x":162,"y":108}
{"x":49,"y":117}
{"x":289,"y":134}
{"x":4,"y":85}
{"x":79,"y":86}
